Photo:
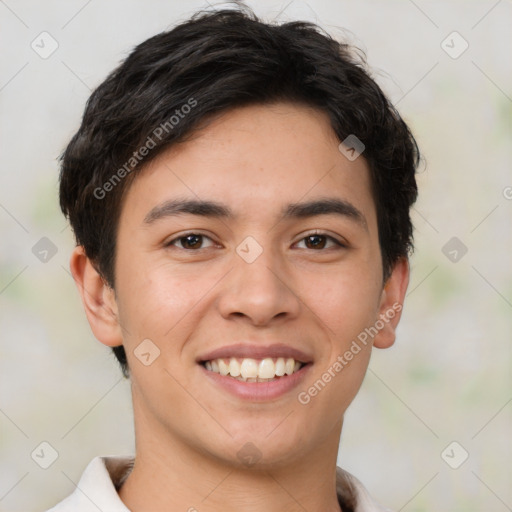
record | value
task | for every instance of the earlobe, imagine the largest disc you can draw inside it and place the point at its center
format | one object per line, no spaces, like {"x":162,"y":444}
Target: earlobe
{"x":98,"y":299}
{"x":391,"y":304}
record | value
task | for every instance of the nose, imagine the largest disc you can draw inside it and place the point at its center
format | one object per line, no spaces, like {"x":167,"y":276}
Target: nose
{"x":259,"y":292}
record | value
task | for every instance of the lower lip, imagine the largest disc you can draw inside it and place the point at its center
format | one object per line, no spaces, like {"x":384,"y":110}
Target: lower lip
{"x":259,"y":391}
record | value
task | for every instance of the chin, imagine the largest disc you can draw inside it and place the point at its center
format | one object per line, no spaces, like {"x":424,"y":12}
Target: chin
{"x":260,"y":449}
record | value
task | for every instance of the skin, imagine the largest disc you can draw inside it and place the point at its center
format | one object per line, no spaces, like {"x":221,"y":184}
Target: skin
{"x":189,"y":301}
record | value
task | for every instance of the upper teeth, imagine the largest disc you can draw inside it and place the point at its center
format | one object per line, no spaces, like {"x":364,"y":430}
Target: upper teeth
{"x":247,"y":368}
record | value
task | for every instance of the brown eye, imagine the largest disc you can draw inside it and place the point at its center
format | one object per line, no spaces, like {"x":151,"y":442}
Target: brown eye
{"x":315,"y":241}
{"x":191,"y":241}
{"x":318,"y":242}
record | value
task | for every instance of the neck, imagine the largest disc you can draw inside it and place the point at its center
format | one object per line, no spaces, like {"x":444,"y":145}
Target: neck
{"x":170,"y":475}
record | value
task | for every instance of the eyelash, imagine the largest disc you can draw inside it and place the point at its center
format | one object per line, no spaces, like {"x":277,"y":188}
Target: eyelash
{"x":336,"y":242}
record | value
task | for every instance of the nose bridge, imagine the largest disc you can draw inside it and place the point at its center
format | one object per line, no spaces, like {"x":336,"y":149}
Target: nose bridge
{"x":257,"y":286}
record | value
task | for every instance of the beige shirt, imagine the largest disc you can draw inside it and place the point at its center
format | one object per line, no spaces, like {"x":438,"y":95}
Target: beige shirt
{"x":96,"y":489}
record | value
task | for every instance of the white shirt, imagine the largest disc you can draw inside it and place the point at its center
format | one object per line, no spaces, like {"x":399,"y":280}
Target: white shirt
{"x":96,"y":489}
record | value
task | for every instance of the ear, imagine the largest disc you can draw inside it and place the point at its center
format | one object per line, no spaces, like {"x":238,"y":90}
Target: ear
{"x":98,"y":299}
{"x":391,"y":304}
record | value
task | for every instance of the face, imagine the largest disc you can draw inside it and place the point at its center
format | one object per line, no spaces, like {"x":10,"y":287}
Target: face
{"x":252,"y":248}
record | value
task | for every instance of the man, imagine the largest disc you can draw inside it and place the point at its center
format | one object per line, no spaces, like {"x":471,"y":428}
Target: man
{"x":240,"y":195}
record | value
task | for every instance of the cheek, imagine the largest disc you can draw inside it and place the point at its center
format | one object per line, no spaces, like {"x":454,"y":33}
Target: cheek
{"x":346,"y":301}
{"x":157,"y":302}
{"x":166,"y":304}
{"x":350,"y":306}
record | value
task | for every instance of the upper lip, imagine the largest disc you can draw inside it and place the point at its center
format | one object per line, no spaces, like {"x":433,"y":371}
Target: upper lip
{"x":255,"y":352}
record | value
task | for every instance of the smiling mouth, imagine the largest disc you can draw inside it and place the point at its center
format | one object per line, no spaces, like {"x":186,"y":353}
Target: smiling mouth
{"x":254,"y":370}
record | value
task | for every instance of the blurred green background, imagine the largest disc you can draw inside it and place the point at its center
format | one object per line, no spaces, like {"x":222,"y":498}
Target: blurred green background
{"x":448,"y":377}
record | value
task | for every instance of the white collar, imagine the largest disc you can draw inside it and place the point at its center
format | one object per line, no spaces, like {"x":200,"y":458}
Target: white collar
{"x":96,"y":489}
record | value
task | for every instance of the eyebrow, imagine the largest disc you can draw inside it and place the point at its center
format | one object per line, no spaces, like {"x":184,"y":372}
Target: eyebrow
{"x":324,"y":206}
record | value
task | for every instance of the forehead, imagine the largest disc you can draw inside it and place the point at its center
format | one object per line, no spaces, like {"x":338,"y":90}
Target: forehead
{"x":255,"y":158}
